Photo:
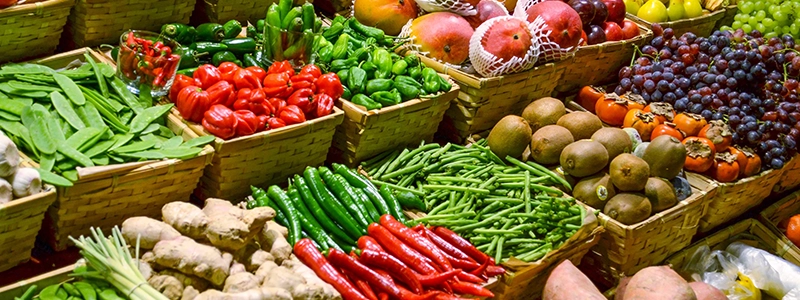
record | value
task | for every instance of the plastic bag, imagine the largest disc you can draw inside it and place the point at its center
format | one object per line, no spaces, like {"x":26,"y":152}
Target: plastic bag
{"x":776,"y":276}
{"x":721,"y":270}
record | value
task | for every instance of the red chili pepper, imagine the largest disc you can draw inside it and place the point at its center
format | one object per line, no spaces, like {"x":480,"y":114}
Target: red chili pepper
{"x":223,"y":93}
{"x":416,"y":241}
{"x":444,"y":296}
{"x":220,"y":121}
{"x":181,"y":81}
{"x":291,"y":114}
{"x":324,"y":105}
{"x":281,"y":67}
{"x":365,"y":242}
{"x":480,"y":270}
{"x":464,"y":276}
{"x":192,"y":102}
{"x":131,"y":40}
{"x":331,"y":85}
{"x":462,"y":264}
{"x":304,"y":81}
{"x":342,"y":260}
{"x":313,"y":70}
{"x":437,"y":279}
{"x":396,"y":247}
{"x":460,"y":243}
{"x":258,"y":72}
{"x":208,"y":75}
{"x":277,"y":104}
{"x":247,"y":122}
{"x":361,"y":284}
{"x":245,"y":79}
{"x":307,"y":252}
{"x":492,"y":271}
{"x":383,"y":296}
{"x":278,"y":85}
{"x":443,"y":245}
{"x":253,"y":100}
{"x":383,"y":260}
{"x":302,"y":98}
{"x":471,"y":289}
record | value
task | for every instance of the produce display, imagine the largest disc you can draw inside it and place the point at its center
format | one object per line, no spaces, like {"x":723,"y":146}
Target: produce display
{"x":212,"y":43}
{"x":773,"y":19}
{"x":604,"y":20}
{"x":231,"y":101}
{"x":83,"y":117}
{"x":145,"y":65}
{"x":657,"y":11}
{"x":15,"y":182}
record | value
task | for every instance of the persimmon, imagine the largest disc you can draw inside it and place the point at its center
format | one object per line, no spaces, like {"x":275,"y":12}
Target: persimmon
{"x":689,"y":123}
{"x":667,"y":128}
{"x":588,"y":96}
{"x":719,"y":133}
{"x":634,"y":101}
{"x":749,"y":161}
{"x":699,"y":154}
{"x":725,"y":167}
{"x":663,"y":111}
{"x":643,"y":122}
{"x":611,"y":109}
{"x":793,"y":230}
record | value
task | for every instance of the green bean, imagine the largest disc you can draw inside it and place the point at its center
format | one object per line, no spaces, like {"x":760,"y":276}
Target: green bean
{"x":442,"y":150}
{"x":396,"y":187}
{"x":70,"y":88}
{"x":549,"y":173}
{"x":396,"y":161}
{"x":526,"y":191}
{"x":375,"y":159}
{"x":497,"y":231}
{"x":34,"y":119}
{"x":456,"y":188}
{"x":446,"y":216}
{"x":453,"y":179}
{"x":512,"y":170}
{"x":449,"y":223}
{"x":489,"y":220}
{"x":505,"y":200}
{"x":385,"y":166}
{"x":140,"y":121}
{"x":406,"y":170}
{"x":437,"y":208}
{"x":488,"y":183}
{"x":101,"y":80}
{"x":454,"y":209}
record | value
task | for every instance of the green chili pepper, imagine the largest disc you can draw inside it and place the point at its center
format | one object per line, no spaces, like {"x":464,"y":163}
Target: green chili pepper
{"x":385,"y":98}
{"x":181,"y":33}
{"x":232,"y":29}
{"x":407,"y":91}
{"x":250,"y":61}
{"x":317,"y":212}
{"x":210,"y":32}
{"x":329,"y":203}
{"x":363,"y":100}
{"x":208,"y":47}
{"x":394,"y":205}
{"x":333,"y":32}
{"x":430,"y":80}
{"x":343,"y":75}
{"x":252,"y":32}
{"x":326,"y":53}
{"x":356,"y":80}
{"x":382,"y":59}
{"x":367,"y":31}
{"x":409,"y":200}
{"x":223,"y":56}
{"x":399,"y":67}
{"x":285,"y":6}
{"x":415,"y":73}
{"x":274,"y":15}
{"x":378,"y":85}
{"x":296,"y":12}
{"x":308,"y":16}
{"x":346,"y":94}
{"x":240,"y":45}
{"x":115,"y":53}
{"x":340,"y":47}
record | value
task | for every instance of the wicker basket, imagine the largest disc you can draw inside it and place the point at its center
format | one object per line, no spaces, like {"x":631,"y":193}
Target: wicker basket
{"x":599,"y":64}
{"x":747,"y":230}
{"x":779,"y":212}
{"x":53,"y":277}
{"x":482,"y":102}
{"x":95,"y":22}
{"x":734,"y":199}
{"x":20,"y":221}
{"x":727,"y":18}
{"x":625,"y":249}
{"x":790,"y":178}
{"x":701,"y":26}
{"x":264,"y":158}
{"x":364,"y":134}
{"x":31,"y":30}
{"x":105,"y":196}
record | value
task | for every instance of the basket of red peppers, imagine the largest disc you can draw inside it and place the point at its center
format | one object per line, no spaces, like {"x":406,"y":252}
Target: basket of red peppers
{"x":147,"y":61}
{"x":231,"y":101}
{"x":397,"y":262}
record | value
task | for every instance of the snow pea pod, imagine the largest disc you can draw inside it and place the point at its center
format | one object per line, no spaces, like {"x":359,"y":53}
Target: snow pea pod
{"x":13,"y":107}
{"x":70,"y":88}
{"x":100,"y":148}
{"x":179,"y":152}
{"x":121,"y":140}
{"x":73,"y":154}
{"x":199,"y":141}
{"x":47,"y":162}
{"x":25,"y":86}
{"x":135,"y":147}
{"x":49,"y":293}
{"x":65,"y":110}
{"x":109,"y":294}
{"x":87,"y":290}
{"x":34,"y":118}
{"x":172,"y":142}
{"x":142,"y":120}
{"x":90,"y":116}
{"x":101,"y":79}
{"x":126,"y":95}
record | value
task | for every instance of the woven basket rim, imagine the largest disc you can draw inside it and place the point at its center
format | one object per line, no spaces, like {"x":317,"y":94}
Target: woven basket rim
{"x":476,"y":79}
{"x":678,"y":208}
{"x":47,"y":190}
{"x":768,"y":213}
{"x":714,"y":15}
{"x":29,"y":8}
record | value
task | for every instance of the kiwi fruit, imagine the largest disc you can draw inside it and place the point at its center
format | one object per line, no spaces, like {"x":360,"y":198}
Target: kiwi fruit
{"x":548,"y":142}
{"x":628,"y":208}
{"x":544,"y":111}
{"x":629,"y":173}
{"x":615,"y":140}
{"x":582,"y":124}
{"x":583,"y":158}
{"x":509,"y":137}
{"x":660,"y":193}
{"x":666,"y":156}
{"x":560,"y":173}
{"x":595,"y":190}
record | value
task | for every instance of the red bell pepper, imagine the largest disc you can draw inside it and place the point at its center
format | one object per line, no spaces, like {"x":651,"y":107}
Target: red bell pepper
{"x":307,"y":252}
{"x":244,"y":79}
{"x":291,"y":114}
{"x":303,"y":81}
{"x":273,"y":123}
{"x":277,"y":104}
{"x":331,"y":85}
{"x":302,"y":98}
{"x":281,"y":67}
{"x":278,"y":85}
{"x":461,"y":243}
{"x":262,"y":121}
{"x":220,"y":121}
{"x":247,"y":123}
{"x":367,"y":243}
{"x":192,"y":102}
{"x":222,"y":93}
{"x":258,"y":72}
{"x":382,"y":260}
{"x":398,"y":249}
{"x":207,"y":75}
{"x":227,"y":71}
{"x":181,"y":81}
{"x":253,"y":100}
{"x":313,"y":70}
{"x":342,"y":260}
{"x":323,"y":104}
{"x":471,"y":289}
{"x":416,"y":241}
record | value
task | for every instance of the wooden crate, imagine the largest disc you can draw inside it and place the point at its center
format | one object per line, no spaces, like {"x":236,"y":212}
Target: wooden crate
{"x":599,"y":64}
{"x":95,"y":22}
{"x":20,"y":222}
{"x":364,"y":134}
{"x":701,"y":26}
{"x":105,"y":196}
{"x":32,"y":29}
{"x":623,"y":250}
{"x":779,"y":212}
{"x":790,"y":179}
{"x":735,"y":198}
{"x":265,"y":158}
{"x":50,"y":278}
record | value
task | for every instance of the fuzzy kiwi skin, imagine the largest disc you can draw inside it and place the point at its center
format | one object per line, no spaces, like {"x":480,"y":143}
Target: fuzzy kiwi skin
{"x":548,"y":142}
{"x":543,"y":111}
{"x":615,"y":140}
{"x":582,"y":124}
{"x":595,"y":190}
{"x":509,"y":137}
{"x":661,"y":194}
{"x":628,"y":208}
{"x":629,"y":173}
{"x":666,"y":156}
{"x":584,"y":158}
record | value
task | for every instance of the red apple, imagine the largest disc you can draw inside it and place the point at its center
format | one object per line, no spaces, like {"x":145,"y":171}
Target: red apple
{"x":443,"y":35}
{"x":563,"y":22}
{"x":487,"y":9}
{"x":629,"y":29}
{"x":389,"y":15}
{"x":596,"y":35}
{"x":616,"y":11}
{"x":600,"y":12}
{"x":613,"y":31}
{"x":507,"y":38}
{"x":584,"y":39}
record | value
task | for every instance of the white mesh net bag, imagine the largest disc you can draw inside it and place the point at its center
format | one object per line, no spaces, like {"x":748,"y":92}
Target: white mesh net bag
{"x":489,"y":65}
{"x":455,"y":6}
{"x":405,"y":33}
{"x":549,"y":50}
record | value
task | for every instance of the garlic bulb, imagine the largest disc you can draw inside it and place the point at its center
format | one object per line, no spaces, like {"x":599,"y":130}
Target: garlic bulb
{"x":26,"y":182}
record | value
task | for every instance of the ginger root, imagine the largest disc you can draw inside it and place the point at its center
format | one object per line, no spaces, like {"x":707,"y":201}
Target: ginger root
{"x":197,"y":283}
{"x":252,"y":256}
{"x":311,"y":278}
{"x":190,"y":257}
{"x":236,"y":267}
{"x":275,"y":226}
{"x":189,"y":293}
{"x":168,"y":286}
{"x":149,"y":231}
{"x":240,"y":282}
{"x":264,"y":269}
{"x":188,"y":219}
{"x":273,"y":241}
{"x":255,"y":294}
{"x":231,"y":228}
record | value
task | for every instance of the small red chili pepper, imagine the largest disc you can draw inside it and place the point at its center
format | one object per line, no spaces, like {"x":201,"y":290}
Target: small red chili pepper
{"x":342,"y":260}
{"x":492,"y":271}
{"x":383,"y":260}
{"x":331,"y":85}
{"x":253,"y":100}
{"x":302,"y":98}
{"x":291,"y":114}
{"x":471,"y":289}
{"x":278,"y":85}
{"x":307,"y":252}
{"x":416,"y":241}
{"x":443,"y":245}
{"x":462,"y":264}
{"x":208,"y":75}
{"x":313,"y":70}
{"x":258,"y":72}
{"x":273,"y":123}
{"x":303,"y":81}
{"x":383,"y":296}
{"x":281,"y":67}
{"x":220,"y":121}
{"x":437,"y":279}
{"x":245,"y":79}
{"x":398,"y":249}
{"x":131,"y":40}
{"x":367,"y":243}
{"x":460,"y":243}
{"x":247,"y":122}
{"x":324,"y":105}
{"x":444,"y":296}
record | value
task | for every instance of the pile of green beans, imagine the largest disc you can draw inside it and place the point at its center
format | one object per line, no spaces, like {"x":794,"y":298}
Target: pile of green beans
{"x":513,"y":209}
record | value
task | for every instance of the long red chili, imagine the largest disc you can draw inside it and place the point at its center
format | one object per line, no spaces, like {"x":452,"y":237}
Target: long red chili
{"x":342,"y":260}
{"x":398,"y":249}
{"x":464,"y":276}
{"x":362,"y":285}
{"x":462,"y":264}
{"x":437,"y":278}
{"x":480,"y":270}
{"x":445,"y":246}
{"x":462,"y":287}
{"x":400,"y":271}
{"x":311,"y":257}
{"x":461,"y":243}
{"x":492,"y":271}
{"x":383,"y":296}
{"x":444,"y":296}
{"x":365,"y":242}
{"x":416,"y":241}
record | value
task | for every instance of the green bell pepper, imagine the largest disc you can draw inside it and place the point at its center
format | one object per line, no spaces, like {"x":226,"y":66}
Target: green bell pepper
{"x":379,"y":85}
{"x":370,"y":68}
{"x":407,"y":91}
{"x":444,"y":84}
{"x":210,"y":32}
{"x":333,"y":32}
{"x":343,"y":75}
{"x":341,"y":64}
{"x":415,"y":72}
{"x":223,"y":56}
{"x":208,"y":47}
{"x":385,"y":98}
{"x":188,"y":58}
{"x":181,"y":33}
{"x":399,"y":67}
{"x":367,"y":31}
{"x":232,"y":29}
{"x":252,"y":32}
{"x":357,"y":79}
{"x":240,"y":45}
{"x":326,"y":53}
{"x":363,"y":100}
{"x":412,"y":60}
{"x":346,"y":94}
{"x":360,"y":54}
{"x":407,"y":80}
{"x":430,"y":80}
{"x":382,"y":59}
{"x":339,"y":19}
{"x":340,"y":47}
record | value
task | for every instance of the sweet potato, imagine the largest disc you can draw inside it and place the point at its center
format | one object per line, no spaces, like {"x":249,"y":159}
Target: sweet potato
{"x":704,"y":291}
{"x":566,"y":282}
{"x":658,"y":283}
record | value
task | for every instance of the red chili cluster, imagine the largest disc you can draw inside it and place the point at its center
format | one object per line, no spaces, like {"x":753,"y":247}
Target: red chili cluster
{"x":231,"y":101}
{"x":151,"y":62}
{"x":398,"y":262}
